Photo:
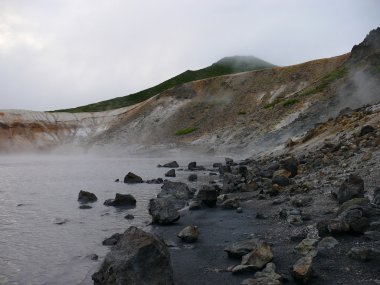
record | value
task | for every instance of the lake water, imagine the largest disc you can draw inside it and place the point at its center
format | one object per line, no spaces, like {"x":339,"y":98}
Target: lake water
{"x":35,"y":191}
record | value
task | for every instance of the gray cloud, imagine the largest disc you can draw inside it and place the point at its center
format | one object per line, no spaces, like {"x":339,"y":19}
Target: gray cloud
{"x":66,"y":53}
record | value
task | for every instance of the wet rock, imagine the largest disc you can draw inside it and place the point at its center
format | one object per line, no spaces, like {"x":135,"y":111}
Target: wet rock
{"x":327,"y":243}
{"x":229,"y":161}
{"x":93,"y":257}
{"x":267,"y":276}
{"x":129,"y":217}
{"x":280,"y":180}
{"x":137,"y":258}
{"x":121,"y":200}
{"x":192,"y":177}
{"x":239,"y":210}
{"x":290,"y":164}
{"x":306,"y":246}
{"x":60,"y":221}
{"x":85,"y":207}
{"x":170,"y":173}
{"x":172,"y":164}
{"x":240,"y":248}
{"x":163,"y":210}
{"x":376,"y":196}
{"x":189,"y":234}
{"x":364,"y":253}
{"x":132,"y":178}
{"x":230,"y":204}
{"x":117,"y":180}
{"x":208,"y":195}
{"x":112,"y":240}
{"x":260,"y":255}
{"x":86,"y":197}
{"x":302,"y":270}
{"x":224,"y":169}
{"x":178,"y":190}
{"x":353,"y":187}
{"x":192,"y":165}
{"x":366,"y":130}
{"x":372,"y":235}
{"x":155,"y":181}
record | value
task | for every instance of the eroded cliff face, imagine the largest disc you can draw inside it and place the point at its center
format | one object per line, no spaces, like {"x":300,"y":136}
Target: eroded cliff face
{"x":246,"y":113}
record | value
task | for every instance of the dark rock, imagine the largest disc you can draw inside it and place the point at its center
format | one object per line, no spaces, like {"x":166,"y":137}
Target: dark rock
{"x":267,"y":276}
{"x":366,"y":130}
{"x":163,"y":210}
{"x":290,"y":164}
{"x":231,"y":183}
{"x":121,"y":200}
{"x":229,"y":161}
{"x":86,"y":197}
{"x":326,"y":244}
{"x":353,"y":187}
{"x":266,"y":173}
{"x":260,"y":255}
{"x":132,"y":178}
{"x":302,"y":270}
{"x":93,"y":257}
{"x":112,"y":240}
{"x":192,"y":165}
{"x":129,"y":217}
{"x":240,"y":248}
{"x":137,"y":258}
{"x":189,"y":234}
{"x":208,"y":195}
{"x":224,"y":169}
{"x":364,"y":253}
{"x":372,"y":235}
{"x":301,"y":201}
{"x":376,"y":196}
{"x":230,"y":204}
{"x":355,"y":219}
{"x":217,"y":165}
{"x":155,"y":181}
{"x":117,"y":180}
{"x":193,"y":177}
{"x":352,"y":203}
{"x":195,"y":205}
{"x":170,"y":173}
{"x":243,"y":171}
{"x":280,"y":180}
{"x":177,"y":190}
{"x":374,"y":226}
{"x":172,"y":164}
{"x":85,"y":207}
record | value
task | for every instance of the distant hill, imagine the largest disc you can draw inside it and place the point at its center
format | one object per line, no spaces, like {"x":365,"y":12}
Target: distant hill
{"x":227,"y":65}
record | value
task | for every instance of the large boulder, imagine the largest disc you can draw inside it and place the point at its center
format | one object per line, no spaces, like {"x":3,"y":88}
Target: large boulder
{"x":137,"y":258}
{"x":132,"y":178}
{"x":208,"y":195}
{"x":178,"y":191}
{"x":163,"y":210}
{"x":121,"y":200}
{"x":86,"y":197}
{"x":353,"y":187}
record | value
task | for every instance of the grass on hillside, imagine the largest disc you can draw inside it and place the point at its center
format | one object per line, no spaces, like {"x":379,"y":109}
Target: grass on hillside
{"x":228,"y":65}
{"x":185,"y":131}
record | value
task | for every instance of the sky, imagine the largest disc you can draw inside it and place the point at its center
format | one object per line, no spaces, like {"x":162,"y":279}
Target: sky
{"x":57,"y":54}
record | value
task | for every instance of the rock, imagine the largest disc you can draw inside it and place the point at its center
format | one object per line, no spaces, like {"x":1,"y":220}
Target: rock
{"x":112,"y":240}
{"x":192,"y":177}
{"x":353,"y":187}
{"x":292,"y":216}
{"x":267,"y":276}
{"x":327,"y":243}
{"x":121,"y":200}
{"x":229,"y":161}
{"x":170,"y":173}
{"x":230,"y":204}
{"x":195,"y":205}
{"x":376,"y":196}
{"x":364,"y":253}
{"x":240,"y":248}
{"x":280,"y":180}
{"x":132,"y":178}
{"x":163,"y":210}
{"x":189,"y":234}
{"x":306,"y":246}
{"x":93,"y":257}
{"x":172,"y":164}
{"x":192,"y":165}
{"x":337,"y":226}
{"x":239,"y":210}
{"x":85,"y":207}
{"x":155,"y":181}
{"x":86,"y":197}
{"x":242,"y":268}
{"x":178,"y":190}
{"x":352,"y":203}
{"x":217,"y":165}
{"x":283,"y":173}
{"x":243,"y":171}
{"x":60,"y":221}
{"x":355,"y":219}
{"x":372,"y":235}
{"x":367,"y":156}
{"x":231,"y":183}
{"x":137,"y":258}
{"x":224,"y":169}
{"x":301,"y":201}
{"x":260,"y":255}
{"x":290,"y":164}
{"x":303,"y":270}
{"x":129,"y":217}
{"x":374,"y":226}
{"x":208,"y":195}
{"x":366,"y":130}
{"x":117,"y":180}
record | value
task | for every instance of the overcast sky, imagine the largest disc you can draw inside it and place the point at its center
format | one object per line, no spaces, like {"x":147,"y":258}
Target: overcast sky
{"x":65,"y":53}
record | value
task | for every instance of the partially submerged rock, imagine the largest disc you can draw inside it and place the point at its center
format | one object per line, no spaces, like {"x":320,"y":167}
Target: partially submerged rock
{"x":208,"y":195}
{"x":132,"y":178}
{"x":112,"y":240}
{"x":121,"y":200}
{"x":172,"y":164}
{"x":137,"y":258}
{"x":170,"y":173}
{"x":189,"y":234}
{"x":163,"y":210}
{"x":86,"y":197}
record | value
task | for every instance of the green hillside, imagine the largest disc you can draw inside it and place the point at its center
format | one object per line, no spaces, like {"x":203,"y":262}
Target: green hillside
{"x":227,"y":65}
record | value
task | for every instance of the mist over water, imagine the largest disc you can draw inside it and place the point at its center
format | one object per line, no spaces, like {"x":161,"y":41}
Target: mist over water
{"x":36,"y":190}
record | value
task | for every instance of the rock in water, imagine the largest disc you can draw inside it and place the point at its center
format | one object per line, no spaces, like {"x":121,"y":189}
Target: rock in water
{"x":172,"y":164}
{"x":192,"y":165}
{"x":353,"y":187}
{"x":189,"y":234}
{"x":193,"y":177}
{"x":121,"y":200}
{"x":163,"y":210}
{"x":112,"y":240}
{"x":86,"y":197}
{"x":208,"y":195}
{"x":85,"y":207}
{"x":137,"y":258}
{"x":170,"y":173}
{"x":132,"y":178}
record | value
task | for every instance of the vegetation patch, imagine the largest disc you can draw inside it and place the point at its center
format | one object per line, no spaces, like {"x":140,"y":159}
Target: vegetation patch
{"x":185,"y":131}
{"x":242,"y":113}
{"x":270,"y":105}
{"x":290,"y":102}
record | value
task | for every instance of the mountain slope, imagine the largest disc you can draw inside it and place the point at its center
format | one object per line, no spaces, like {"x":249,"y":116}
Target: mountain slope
{"x":227,"y":65}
